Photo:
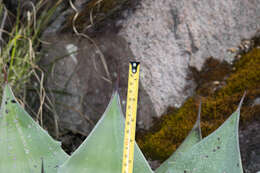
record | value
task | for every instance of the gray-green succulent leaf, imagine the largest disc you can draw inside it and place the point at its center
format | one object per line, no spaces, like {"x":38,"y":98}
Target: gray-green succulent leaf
{"x":193,"y":138}
{"x":102,"y":151}
{"x":217,"y":153}
{"x":23,"y":143}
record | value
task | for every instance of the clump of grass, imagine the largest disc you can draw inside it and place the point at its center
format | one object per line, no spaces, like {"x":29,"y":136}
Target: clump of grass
{"x":20,"y":46}
{"x":217,"y":104}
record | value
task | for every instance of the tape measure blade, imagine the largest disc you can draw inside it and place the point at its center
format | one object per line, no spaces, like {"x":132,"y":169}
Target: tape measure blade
{"x":130,"y":124}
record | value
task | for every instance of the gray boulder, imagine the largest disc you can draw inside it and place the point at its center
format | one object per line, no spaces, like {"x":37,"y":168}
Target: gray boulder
{"x":167,"y":37}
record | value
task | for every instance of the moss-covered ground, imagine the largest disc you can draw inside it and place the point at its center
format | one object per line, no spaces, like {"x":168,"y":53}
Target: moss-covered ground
{"x":220,"y":88}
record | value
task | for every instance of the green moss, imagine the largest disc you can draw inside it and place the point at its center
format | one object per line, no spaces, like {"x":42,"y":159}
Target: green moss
{"x":217,"y":105}
{"x":213,"y":70}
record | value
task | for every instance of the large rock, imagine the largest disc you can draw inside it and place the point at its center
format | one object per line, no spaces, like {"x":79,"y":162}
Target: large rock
{"x":169,"y":36}
{"x":166,"y":37}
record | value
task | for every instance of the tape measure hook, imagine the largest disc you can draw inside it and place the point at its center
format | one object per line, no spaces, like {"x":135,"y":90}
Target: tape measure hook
{"x":134,"y":65}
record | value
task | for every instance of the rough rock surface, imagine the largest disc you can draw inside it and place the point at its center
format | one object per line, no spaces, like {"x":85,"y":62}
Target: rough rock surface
{"x":168,"y":36}
{"x":249,"y":138}
{"x":81,"y":84}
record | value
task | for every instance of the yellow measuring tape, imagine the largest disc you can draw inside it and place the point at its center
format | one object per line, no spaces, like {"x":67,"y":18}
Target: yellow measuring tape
{"x":131,"y":109}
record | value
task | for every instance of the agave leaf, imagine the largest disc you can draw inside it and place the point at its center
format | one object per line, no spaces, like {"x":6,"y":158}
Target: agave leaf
{"x":217,"y":153}
{"x":193,"y":138}
{"x":102,"y":151}
{"x":23,"y":142}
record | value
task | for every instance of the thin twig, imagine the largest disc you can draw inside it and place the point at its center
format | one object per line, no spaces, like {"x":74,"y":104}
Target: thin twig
{"x":91,"y":40}
{"x":5,"y":74}
{"x":55,"y":114}
{"x":2,"y":28}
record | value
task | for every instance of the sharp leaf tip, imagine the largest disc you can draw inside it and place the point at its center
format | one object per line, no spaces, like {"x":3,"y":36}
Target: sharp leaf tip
{"x":199,"y":112}
{"x":241,"y":101}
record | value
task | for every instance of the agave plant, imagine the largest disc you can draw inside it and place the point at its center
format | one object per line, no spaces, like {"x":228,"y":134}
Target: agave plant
{"x":27,"y":148}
